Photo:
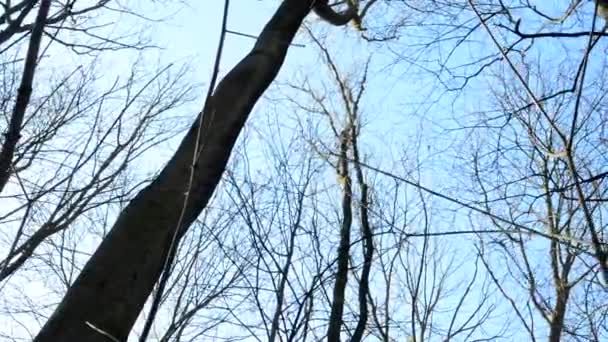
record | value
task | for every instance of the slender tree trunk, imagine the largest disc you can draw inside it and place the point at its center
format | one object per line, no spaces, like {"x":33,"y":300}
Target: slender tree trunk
{"x":367,"y":241}
{"x":12,"y":136}
{"x":337,"y":305}
{"x":280,"y":293}
{"x":108,"y":295}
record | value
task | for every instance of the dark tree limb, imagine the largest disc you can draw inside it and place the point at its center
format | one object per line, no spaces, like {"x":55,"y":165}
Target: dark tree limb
{"x":12,"y":136}
{"x":367,"y":241}
{"x":113,"y":286}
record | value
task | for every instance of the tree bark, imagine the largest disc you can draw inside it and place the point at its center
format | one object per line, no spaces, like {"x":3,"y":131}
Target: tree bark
{"x":559,"y":313}
{"x":108,"y":295}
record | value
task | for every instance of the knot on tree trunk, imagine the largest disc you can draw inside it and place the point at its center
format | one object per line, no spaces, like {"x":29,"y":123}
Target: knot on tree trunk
{"x":339,"y":18}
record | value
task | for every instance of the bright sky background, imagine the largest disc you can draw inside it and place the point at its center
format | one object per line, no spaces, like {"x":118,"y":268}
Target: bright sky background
{"x":397,"y":110}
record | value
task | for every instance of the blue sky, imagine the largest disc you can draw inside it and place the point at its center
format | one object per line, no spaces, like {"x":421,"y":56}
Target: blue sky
{"x":404,"y":106}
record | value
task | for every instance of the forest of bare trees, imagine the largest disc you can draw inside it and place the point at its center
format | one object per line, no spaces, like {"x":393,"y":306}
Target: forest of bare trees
{"x":357,"y":170}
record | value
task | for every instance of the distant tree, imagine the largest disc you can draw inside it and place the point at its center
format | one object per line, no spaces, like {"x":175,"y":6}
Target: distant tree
{"x":70,"y":134}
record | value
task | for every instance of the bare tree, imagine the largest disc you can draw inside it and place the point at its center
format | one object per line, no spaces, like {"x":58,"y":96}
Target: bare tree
{"x":106,"y":298}
{"x":366,"y":297}
{"x":538,"y":161}
{"x":70,"y":141}
{"x":543,"y":194}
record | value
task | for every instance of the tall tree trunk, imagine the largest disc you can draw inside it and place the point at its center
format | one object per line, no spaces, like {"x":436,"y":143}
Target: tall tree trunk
{"x":367,"y":239}
{"x":105,"y":300}
{"x":334,"y":327}
{"x":559,"y":313}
